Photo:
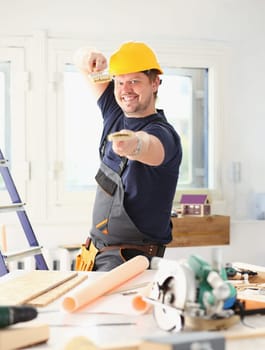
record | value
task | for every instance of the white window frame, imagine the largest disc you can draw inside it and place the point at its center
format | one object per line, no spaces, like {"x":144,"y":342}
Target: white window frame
{"x":182,"y":56}
{"x":37,"y":111}
{"x":18,"y":86}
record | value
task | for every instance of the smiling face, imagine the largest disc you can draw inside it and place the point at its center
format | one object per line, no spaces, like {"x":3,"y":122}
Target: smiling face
{"x":135,"y":94}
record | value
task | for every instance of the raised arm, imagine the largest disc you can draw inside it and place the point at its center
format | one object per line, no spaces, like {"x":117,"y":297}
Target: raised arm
{"x":90,"y":62}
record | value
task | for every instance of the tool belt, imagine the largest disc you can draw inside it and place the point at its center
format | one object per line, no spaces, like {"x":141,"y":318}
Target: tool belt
{"x":86,"y":258}
{"x":149,"y":249}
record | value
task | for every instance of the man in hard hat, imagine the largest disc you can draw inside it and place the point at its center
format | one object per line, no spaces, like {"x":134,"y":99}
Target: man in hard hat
{"x":140,"y":158}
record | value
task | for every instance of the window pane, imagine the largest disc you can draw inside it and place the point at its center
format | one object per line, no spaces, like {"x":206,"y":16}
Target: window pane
{"x":2,"y":108}
{"x":82,"y":130}
{"x":4,"y":112}
{"x":183,"y":96}
{"x":175,"y":97}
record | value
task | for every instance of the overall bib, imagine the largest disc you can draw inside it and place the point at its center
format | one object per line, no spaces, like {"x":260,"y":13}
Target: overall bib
{"x":113,"y":233}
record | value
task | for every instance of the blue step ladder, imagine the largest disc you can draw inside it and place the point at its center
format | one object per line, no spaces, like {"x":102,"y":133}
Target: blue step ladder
{"x":17,"y":206}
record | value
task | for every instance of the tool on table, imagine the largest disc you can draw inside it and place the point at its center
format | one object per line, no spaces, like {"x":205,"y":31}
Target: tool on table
{"x":10,"y":315}
{"x":193,"y":294}
{"x":239,"y":273}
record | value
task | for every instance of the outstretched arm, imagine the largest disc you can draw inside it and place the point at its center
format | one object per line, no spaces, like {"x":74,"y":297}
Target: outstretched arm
{"x":140,"y":146}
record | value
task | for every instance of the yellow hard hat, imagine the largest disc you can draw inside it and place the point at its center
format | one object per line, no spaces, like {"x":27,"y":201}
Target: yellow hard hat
{"x":133,"y":57}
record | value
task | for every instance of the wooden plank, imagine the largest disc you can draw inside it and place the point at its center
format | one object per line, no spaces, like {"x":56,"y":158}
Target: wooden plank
{"x":23,"y":335}
{"x":191,"y":231}
{"x":21,"y":289}
{"x":53,"y":294}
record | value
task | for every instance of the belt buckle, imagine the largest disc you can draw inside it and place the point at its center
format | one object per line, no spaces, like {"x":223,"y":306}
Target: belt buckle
{"x":151,"y":249}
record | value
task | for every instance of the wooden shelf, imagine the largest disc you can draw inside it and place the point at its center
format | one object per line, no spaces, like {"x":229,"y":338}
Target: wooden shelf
{"x":193,"y":231}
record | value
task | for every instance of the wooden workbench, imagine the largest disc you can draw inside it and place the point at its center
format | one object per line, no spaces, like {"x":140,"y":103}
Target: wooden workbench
{"x":192,"y":231}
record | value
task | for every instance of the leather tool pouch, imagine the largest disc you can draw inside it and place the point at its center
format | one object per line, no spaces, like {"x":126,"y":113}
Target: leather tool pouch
{"x":86,"y":258}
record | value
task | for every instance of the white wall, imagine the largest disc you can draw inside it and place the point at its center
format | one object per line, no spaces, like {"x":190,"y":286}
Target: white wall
{"x":238,"y":24}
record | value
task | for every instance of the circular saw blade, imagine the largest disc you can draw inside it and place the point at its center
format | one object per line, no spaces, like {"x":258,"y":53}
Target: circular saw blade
{"x":168,"y":314}
{"x":168,"y":318}
{"x":175,"y":288}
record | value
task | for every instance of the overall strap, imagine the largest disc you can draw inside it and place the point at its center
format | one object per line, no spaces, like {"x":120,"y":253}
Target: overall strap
{"x":123,"y":164}
{"x":123,"y":161}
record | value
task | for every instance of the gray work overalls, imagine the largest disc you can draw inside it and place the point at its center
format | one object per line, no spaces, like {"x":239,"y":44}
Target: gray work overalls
{"x":113,"y":232}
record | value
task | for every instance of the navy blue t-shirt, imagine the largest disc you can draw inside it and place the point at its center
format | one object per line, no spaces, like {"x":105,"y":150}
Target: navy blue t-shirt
{"x":149,"y":190}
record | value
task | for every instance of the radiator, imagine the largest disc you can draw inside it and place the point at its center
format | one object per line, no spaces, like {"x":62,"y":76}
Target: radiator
{"x":56,"y":259}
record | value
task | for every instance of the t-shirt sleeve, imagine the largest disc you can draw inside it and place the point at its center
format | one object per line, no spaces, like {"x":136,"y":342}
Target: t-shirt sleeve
{"x":170,"y":140}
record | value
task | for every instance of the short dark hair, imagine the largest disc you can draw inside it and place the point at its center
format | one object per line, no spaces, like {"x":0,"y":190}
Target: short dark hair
{"x":152,"y":74}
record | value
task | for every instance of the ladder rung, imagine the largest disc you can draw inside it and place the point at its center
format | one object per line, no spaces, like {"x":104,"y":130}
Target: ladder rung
{"x":17,"y":206}
{"x":12,"y":207}
{"x":22,"y":253}
{"x":3,"y":163}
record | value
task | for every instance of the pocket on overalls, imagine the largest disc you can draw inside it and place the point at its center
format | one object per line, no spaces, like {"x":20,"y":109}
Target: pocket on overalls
{"x":103,"y":202}
{"x":85,"y":260}
{"x":107,"y":184}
